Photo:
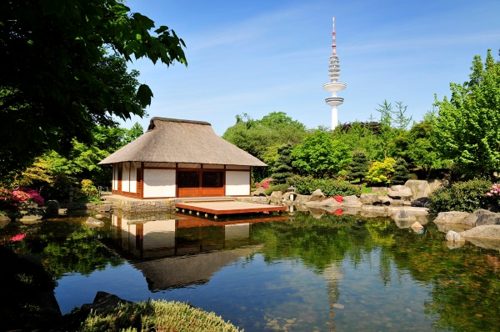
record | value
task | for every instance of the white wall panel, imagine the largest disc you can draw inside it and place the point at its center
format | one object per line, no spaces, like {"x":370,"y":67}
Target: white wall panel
{"x":159,"y":183}
{"x":126,"y":177}
{"x":133,"y":178}
{"x":115,"y":177}
{"x":237,"y":183}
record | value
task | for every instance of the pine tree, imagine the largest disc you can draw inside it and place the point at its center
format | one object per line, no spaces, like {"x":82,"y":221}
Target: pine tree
{"x":359,"y":166}
{"x":282,"y":170}
{"x":401,"y":173}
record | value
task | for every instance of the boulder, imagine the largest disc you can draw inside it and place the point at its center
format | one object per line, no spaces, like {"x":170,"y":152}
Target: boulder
{"x":104,"y":208}
{"x":52,"y":207}
{"x":445,"y":228}
{"x":416,"y":226}
{"x":482,"y":217}
{"x":397,"y":202}
{"x":436,"y":184}
{"x":92,"y":222}
{"x":386,"y":200}
{"x":451,"y":217}
{"x":418,"y":188}
{"x":483,"y":232}
{"x":369,"y":199}
{"x":409,"y":209}
{"x":453,"y":236}
{"x":404,"y":223}
{"x":4,"y":220}
{"x":352,"y":201}
{"x":404,"y":215}
{"x":258,"y":192}
{"x":276,"y":198}
{"x":317,"y":195}
{"x":98,"y":216}
{"x":400,"y":192}
{"x":330,"y":202}
{"x":491,"y":244}
{"x":372,"y":211}
{"x":317,"y":213}
{"x":301,"y":199}
{"x":62,"y":212}
{"x":421,"y":202}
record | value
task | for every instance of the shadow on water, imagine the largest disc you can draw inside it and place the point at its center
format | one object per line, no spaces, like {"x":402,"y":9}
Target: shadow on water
{"x":299,"y":272}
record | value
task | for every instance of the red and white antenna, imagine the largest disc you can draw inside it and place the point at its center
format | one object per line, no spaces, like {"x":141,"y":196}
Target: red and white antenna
{"x":334,"y":45}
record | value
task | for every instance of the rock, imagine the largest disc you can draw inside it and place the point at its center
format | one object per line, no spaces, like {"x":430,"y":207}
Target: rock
{"x":351,"y":201}
{"x":330,"y":202}
{"x":352,"y":211}
{"x":286,"y":196}
{"x":421,"y":202}
{"x":454,"y":245}
{"x":491,"y":244}
{"x":453,"y":236}
{"x":386,"y":200}
{"x":404,"y":215}
{"x":372,"y":211}
{"x":276,"y":198}
{"x":418,"y":188}
{"x":258,"y":192}
{"x":317,"y":213}
{"x":98,"y":216}
{"x":400,"y":192}
{"x":104,"y":208}
{"x":444,"y":228}
{"x":62,"y":212}
{"x":369,"y":199}
{"x":317,"y":195}
{"x":404,"y":223}
{"x":483,"y":232}
{"x":409,"y":209}
{"x":92,"y":222}
{"x":301,"y":199}
{"x":416,"y":226}
{"x":103,"y":302}
{"x":423,"y":220}
{"x":4,"y":220}
{"x":397,"y":202}
{"x":436,"y":184}
{"x":452,"y":217}
{"x":482,"y":217}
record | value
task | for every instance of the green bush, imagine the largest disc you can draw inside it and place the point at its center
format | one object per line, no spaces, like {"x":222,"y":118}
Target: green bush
{"x":155,"y":315}
{"x":462,"y":196}
{"x":279,"y":187}
{"x":306,"y":185}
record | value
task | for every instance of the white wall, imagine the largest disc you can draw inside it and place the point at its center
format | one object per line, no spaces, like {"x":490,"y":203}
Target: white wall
{"x":115,"y":177}
{"x":125,"y":177}
{"x":159,"y":183}
{"x":133,"y":178}
{"x":237,"y":183}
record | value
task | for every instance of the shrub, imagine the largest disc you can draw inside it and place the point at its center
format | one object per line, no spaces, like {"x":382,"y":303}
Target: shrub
{"x":89,"y":189}
{"x":155,"y":315}
{"x":307,"y":185}
{"x":381,"y":172}
{"x":26,"y":194}
{"x":279,"y":187}
{"x":465,"y":196}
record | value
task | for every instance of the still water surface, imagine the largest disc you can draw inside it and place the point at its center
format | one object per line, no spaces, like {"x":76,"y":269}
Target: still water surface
{"x":295,"y":273}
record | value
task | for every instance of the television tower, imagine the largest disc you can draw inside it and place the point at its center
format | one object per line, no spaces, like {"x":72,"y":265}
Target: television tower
{"x":334,"y":85}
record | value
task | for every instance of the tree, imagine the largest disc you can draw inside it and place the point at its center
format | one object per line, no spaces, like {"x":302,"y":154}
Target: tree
{"x":320,"y":155}
{"x":401,"y":173}
{"x":359,"y":166}
{"x":63,"y":72}
{"x":381,"y":172}
{"x":468,"y":125}
{"x":282,"y":170}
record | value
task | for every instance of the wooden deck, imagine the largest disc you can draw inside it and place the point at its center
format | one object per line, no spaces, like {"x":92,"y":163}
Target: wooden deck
{"x":228,"y":207}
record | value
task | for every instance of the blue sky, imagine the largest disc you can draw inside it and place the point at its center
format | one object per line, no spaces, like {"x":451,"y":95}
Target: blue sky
{"x":260,"y":56}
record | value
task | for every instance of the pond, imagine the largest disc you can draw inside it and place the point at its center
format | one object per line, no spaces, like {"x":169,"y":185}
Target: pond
{"x":292,"y":273}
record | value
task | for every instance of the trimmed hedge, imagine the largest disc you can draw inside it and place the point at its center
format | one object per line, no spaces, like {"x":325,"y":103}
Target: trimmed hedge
{"x":279,"y":187}
{"x":330,"y":187}
{"x":465,"y":196}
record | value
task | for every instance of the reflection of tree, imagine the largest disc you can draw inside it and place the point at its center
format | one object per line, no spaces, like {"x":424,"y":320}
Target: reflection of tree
{"x":465,"y":283}
{"x":69,"y":248}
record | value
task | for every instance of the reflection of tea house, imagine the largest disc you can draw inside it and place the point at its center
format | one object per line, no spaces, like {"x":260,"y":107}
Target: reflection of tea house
{"x":181,"y":158}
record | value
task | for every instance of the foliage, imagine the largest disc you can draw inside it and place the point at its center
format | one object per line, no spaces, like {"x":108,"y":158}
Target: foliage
{"x":381,"y":172}
{"x":262,"y":138}
{"x":279,"y":187}
{"x":155,"y":315}
{"x":283,"y":167}
{"x":468,"y":125}
{"x":329,"y":187}
{"x":25,"y":194}
{"x":359,"y":166}
{"x":361,"y":136}
{"x":465,"y":196}
{"x":24,"y":284}
{"x":64,"y":72}
{"x":320,"y":155}
{"x":89,"y":189}
{"x":419,"y":148}
{"x":401,"y":173}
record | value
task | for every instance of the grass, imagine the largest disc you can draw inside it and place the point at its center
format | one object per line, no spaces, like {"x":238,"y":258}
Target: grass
{"x":156,"y":316}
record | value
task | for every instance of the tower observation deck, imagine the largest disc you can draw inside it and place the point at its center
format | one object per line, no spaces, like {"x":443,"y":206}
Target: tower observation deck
{"x":334,"y":85}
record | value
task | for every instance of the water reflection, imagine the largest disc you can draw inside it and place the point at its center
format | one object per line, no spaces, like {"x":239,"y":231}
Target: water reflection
{"x":178,"y":250}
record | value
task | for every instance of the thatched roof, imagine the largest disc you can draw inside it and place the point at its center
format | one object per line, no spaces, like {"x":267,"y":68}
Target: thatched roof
{"x":182,"y":141}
